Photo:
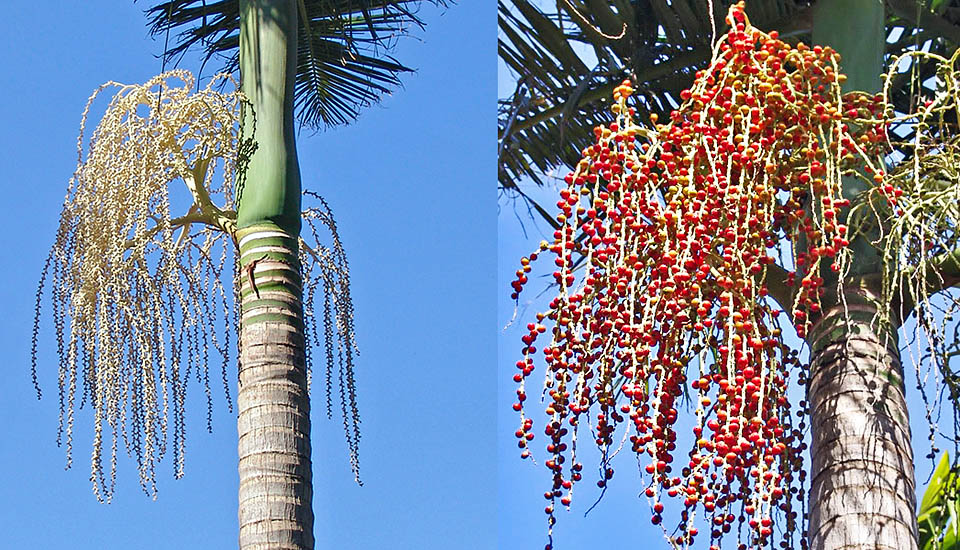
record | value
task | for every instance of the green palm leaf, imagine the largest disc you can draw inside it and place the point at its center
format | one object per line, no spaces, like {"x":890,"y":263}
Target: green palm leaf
{"x":937,"y":519}
{"x":568,"y":56}
{"x":342,"y":59}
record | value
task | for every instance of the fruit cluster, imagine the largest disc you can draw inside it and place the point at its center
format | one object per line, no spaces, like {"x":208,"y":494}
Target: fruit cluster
{"x":676,"y":230}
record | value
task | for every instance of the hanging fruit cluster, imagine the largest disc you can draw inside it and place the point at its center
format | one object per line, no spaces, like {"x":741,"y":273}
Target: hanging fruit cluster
{"x":676,"y":229}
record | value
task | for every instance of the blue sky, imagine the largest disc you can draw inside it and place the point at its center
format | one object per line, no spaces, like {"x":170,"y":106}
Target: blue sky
{"x":411,"y":187}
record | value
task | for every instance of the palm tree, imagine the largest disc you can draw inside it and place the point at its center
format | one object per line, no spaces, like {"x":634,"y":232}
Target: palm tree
{"x":568,"y":63}
{"x":292,"y":56}
{"x":312,"y":62}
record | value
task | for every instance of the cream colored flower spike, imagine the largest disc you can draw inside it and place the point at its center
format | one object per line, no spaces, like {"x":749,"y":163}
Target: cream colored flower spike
{"x":137,"y":292}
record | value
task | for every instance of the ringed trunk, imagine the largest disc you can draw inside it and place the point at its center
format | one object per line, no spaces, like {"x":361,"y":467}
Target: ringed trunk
{"x":276,"y":492}
{"x":862,"y":487}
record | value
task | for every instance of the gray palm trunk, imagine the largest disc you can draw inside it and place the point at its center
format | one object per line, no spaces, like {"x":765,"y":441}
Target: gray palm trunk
{"x":862,"y":486}
{"x":862,"y":491}
{"x":275,"y":507}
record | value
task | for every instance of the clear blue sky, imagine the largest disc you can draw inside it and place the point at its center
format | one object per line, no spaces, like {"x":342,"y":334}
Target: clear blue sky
{"x":411,"y":185}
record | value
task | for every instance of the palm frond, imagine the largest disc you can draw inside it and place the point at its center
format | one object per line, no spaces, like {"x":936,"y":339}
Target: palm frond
{"x":567,"y":60}
{"x":343,"y":61}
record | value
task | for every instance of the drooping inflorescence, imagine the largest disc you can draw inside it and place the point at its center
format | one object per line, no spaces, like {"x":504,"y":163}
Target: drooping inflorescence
{"x":327,"y":272}
{"x":666,"y":263}
{"x":137,"y":298}
{"x":916,"y":213}
{"x":139,"y":294}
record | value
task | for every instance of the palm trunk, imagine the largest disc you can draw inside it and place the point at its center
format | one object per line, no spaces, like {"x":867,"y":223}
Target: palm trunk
{"x":275,"y":509}
{"x":862,"y":487}
{"x":274,"y":421}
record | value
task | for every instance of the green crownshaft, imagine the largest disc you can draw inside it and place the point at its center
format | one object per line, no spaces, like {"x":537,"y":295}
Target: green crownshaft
{"x":268,"y":50}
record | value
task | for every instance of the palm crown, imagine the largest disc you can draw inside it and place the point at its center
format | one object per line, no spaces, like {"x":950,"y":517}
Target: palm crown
{"x":342,"y":59}
{"x":567,"y":62}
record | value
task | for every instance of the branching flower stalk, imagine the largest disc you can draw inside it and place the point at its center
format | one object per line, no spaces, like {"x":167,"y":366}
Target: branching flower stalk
{"x":679,"y":229}
{"x":325,"y":270}
{"x":138,"y":293}
{"x":917,"y":209}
